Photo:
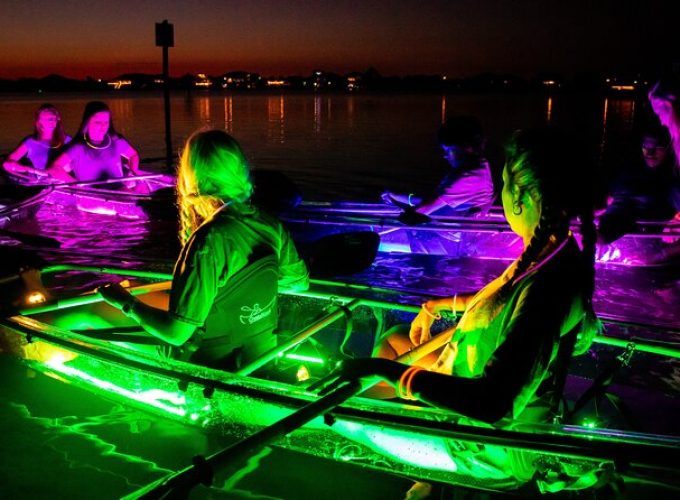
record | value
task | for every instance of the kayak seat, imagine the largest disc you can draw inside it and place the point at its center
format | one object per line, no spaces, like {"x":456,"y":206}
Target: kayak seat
{"x":240,"y":325}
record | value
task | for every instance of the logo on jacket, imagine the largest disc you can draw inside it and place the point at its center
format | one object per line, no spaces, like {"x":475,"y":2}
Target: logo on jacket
{"x":255,"y":313}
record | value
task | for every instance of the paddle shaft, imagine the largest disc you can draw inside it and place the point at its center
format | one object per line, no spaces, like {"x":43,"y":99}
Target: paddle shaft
{"x":202,"y":470}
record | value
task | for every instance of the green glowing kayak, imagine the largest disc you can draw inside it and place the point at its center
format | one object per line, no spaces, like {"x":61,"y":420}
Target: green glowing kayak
{"x":85,"y":342}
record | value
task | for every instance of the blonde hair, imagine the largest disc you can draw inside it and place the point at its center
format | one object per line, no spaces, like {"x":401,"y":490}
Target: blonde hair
{"x":212,"y":171}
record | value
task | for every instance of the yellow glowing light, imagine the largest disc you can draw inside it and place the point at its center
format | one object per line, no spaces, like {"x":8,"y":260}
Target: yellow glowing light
{"x":302,"y":373}
{"x":118,"y":84}
{"x":276,"y":83}
{"x":36,"y":298}
{"x":549,"y":82}
{"x":623,"y":87}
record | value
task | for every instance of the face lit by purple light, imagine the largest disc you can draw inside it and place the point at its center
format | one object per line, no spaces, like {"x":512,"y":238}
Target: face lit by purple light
{"x":98,"y":126}
{"x":653,"y":152}
{"x":46,"y":123}
{"x":454,"y":154}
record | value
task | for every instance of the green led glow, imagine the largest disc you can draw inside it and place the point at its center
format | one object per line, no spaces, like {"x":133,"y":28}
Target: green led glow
{"x":80,"y":320}
{"x":428,"y":452}
{"x":152,"y":397}
{"x":302,"y":357}
{"x":591,"y":424}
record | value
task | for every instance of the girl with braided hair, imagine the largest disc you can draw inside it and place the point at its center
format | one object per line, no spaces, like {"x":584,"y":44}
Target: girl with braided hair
{"x":222,"y":310}
{"x":508,"y":355}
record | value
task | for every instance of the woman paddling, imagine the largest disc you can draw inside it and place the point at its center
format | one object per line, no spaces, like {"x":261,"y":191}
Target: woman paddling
{"x":41,"y":147}
{"x":223,"y":301}
{"x":508,"y":355}
{"x":97,"y":152}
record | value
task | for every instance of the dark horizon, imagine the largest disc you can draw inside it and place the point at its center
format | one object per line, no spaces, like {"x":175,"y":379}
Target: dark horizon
{"x":457,"y":39}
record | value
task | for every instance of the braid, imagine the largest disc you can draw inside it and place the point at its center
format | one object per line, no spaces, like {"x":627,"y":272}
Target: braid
{"x":550,"y":168}
{"x":591,"y":325}
{"x":550,"y":224}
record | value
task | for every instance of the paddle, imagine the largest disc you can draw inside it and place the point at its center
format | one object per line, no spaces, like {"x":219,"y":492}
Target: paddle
{"x":179,"y":484}
{"x":34,"y":240}
{"x":340,"y":254}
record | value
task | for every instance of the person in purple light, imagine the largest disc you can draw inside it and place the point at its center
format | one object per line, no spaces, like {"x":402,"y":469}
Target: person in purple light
{"x":642,"y":191}
{"x":467,"y":189}
{"x":41,"y":147}
{"x":97,"y":152}
{"x":506,"y":359}
{"x":664,"y":97}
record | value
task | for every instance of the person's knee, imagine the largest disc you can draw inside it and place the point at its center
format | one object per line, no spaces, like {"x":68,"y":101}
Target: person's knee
{"x":393,"y":343}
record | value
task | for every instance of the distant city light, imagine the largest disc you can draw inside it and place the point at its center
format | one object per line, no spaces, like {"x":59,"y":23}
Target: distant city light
{"x":118,"y":84}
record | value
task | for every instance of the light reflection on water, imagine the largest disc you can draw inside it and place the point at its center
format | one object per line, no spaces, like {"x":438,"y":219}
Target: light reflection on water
{"x":338,"y":145}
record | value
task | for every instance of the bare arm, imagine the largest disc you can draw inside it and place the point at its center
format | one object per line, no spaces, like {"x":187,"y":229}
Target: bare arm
{"x":157,"y":322}
{"x":133,"y":162}
{"x":428,"y":206}
{"x":132,"y":157}
{"x":61,"y":167}
{"x":11,"y":163}
{"x":421,"y":324}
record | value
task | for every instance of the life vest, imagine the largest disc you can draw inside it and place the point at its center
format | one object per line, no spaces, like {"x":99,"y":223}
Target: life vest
{"x":240,"y":325}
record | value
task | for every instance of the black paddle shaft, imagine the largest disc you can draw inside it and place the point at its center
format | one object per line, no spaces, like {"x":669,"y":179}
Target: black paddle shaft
{"x":180,"y":483}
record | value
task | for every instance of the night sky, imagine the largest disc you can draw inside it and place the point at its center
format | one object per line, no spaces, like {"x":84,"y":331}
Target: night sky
{"x":285,"y":37}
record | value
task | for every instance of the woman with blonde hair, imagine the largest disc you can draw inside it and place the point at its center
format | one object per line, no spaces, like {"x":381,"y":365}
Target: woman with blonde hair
{"x":234,"y":259}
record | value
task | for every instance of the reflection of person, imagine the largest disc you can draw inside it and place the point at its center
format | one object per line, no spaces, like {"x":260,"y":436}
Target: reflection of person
{"x":467,"y":188}
{"x":224,"y":288}
{"x":97,"y":151}
{"x":643,"y":191}
{"x":42,"y":146}
{"x":516,"y":336}
{"x":664,"y":97}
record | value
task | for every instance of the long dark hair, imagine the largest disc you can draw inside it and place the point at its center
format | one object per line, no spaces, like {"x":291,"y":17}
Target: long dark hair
{"x":553,"y":167}
{"x":92,"y":108}
{"x":58,"y":136}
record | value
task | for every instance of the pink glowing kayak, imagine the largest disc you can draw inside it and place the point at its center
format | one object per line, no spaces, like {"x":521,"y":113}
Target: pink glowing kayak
{"x":20,"y":203}
{"x":149,"y":195}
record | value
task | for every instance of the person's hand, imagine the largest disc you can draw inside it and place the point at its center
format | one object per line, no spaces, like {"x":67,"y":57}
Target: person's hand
{"x":115,"y":295}
{"x":411,"y":217}
{"x":672,"y":228}
{"x":420,"y":327}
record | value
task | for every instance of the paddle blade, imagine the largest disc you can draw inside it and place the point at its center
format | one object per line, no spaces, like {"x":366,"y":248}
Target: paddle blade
{"x":341,"y":254}
{"x":34,"y":240}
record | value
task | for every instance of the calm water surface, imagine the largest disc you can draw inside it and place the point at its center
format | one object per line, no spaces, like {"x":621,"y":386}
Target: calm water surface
{"x":340,"y":145}
{"x":332,"y":146}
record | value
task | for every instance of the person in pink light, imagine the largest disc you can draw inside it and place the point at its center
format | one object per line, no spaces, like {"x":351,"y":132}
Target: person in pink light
{"x":35,"y":152}
{"x":664,"y":97}
{"x":97,"y":152}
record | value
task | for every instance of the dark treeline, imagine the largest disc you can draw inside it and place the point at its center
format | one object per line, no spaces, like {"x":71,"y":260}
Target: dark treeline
{"x":370,"y":80}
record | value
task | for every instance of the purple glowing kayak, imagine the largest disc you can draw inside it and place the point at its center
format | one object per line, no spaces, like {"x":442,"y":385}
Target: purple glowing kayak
{"x":486,"y":236}
{"x":149,"y":195}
